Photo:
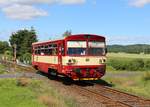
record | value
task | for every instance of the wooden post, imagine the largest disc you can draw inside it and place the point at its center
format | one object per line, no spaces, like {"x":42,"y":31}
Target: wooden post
{"x":15,"y":55}
{"x":15,"y":52}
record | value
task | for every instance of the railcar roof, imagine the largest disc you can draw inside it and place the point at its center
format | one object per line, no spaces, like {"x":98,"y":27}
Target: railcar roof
{"x":82,"y":36}
{"x":36,"y":43}
{"x":79,"y":36}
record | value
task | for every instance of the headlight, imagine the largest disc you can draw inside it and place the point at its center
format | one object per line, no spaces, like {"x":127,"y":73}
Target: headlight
{"x":102,"y":61}
{"x":71,"y":61}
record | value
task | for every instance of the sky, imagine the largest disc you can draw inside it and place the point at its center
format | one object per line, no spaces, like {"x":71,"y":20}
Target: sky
{"x":120,"y":21}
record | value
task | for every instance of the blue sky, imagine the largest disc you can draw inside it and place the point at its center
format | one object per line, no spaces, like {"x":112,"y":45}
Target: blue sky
{"x":120,"y":21}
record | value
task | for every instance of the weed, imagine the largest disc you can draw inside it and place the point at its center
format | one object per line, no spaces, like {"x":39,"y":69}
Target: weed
{"x":23,"y":81}
{"x":48,"y":101}
{"x":146,"y":76}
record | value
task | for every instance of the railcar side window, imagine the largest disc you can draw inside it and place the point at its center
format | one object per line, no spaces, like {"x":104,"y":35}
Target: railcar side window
{"x":54,"y":49}
{"x":50,"y":49}
{"x":36,"y":52}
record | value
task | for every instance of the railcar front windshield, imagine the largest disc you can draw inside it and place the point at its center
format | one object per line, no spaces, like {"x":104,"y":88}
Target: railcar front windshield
{"x":76,"y":47}
{"x":95,"y":48}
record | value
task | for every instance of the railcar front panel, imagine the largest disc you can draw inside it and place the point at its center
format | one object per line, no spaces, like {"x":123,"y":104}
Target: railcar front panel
{"x":83,"y":61}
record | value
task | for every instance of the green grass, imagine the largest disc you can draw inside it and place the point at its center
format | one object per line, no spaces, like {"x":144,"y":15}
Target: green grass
{"x":34,"y":93}
{"x":15,"y":96}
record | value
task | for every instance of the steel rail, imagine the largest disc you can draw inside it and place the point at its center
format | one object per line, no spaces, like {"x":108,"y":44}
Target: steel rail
{"x":126,"y":98}
{"x":104,"y":100}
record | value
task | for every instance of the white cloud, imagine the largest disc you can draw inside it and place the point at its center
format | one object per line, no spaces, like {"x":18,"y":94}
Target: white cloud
{"x":72,"y":1}
{"x":26,"y":9}
{"x":32,"y":2}
{"x":139,"y":3}
{"x":24,"y":12}
{"x":26,"y":2}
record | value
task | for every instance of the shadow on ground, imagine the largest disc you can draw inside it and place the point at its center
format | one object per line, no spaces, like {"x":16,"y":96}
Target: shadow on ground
{"x":68,"y":81}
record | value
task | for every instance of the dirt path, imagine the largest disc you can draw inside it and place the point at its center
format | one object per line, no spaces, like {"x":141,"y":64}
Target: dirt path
{"x":122,"y":74}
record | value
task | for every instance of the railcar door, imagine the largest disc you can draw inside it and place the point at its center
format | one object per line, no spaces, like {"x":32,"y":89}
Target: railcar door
{"x":60,"y":49}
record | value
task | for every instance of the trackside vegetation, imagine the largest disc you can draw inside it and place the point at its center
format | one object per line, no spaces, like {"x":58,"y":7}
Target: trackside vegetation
{"x":135,"y":84}
{"x":26,"y":92}
{"x":129,"y":72}
{"x":30,"y":92}
{"x":130,"y":64}
{"x":123,"y":62}
{"x":2,"y":69}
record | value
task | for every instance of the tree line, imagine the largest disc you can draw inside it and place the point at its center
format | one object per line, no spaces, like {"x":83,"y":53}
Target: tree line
{"x":21,"y":42}
{"x":133,"y":49}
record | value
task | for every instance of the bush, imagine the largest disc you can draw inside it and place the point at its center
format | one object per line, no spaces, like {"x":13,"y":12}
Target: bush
{"x":147,"y":64}
{"x":146,"y":76}
{"x":23,"y":81}
{"x":118,"y":64}
{"x":26,"y":58}
{"x":48,"y":101}
{"x":123,"y":64}
{"x":135,"y":65}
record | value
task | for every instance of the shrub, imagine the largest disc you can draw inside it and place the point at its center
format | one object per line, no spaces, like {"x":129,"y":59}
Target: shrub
{"x":48,"y":101}
{"x":147,"y":64}
{"x":135,"y":65}
{"x":146,"y":76}
{"x":23,"y":81}
{"x":132,"y":65}
{"x":25,"y":58}
{"x":118,"y":64}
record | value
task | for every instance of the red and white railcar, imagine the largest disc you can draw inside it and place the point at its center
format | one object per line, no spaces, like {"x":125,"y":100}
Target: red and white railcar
{"x":80,"y":57}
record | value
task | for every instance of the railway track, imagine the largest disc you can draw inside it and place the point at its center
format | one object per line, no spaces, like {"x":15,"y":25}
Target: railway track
{"x":104,"y":100}
{"x":113,"y":98}
{"x":130,"y":99}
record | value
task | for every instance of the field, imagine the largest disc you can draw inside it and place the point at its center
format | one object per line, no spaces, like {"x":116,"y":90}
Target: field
{"x":126,"y":55}
{"x":137,"y":82}
{"x":128,"y":62}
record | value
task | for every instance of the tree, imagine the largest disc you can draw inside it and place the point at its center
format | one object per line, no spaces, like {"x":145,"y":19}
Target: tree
{"x":67,"y":33}
{"x":4,"y":46}
{"x":23,"y":40}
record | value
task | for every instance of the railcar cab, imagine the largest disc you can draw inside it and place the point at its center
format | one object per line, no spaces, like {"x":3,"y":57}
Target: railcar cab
{"x":85,"y":57}
{"x":85,"y":45}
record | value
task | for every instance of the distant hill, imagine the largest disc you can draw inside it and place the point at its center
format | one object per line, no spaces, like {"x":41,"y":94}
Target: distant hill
{"x":137,"y":48}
